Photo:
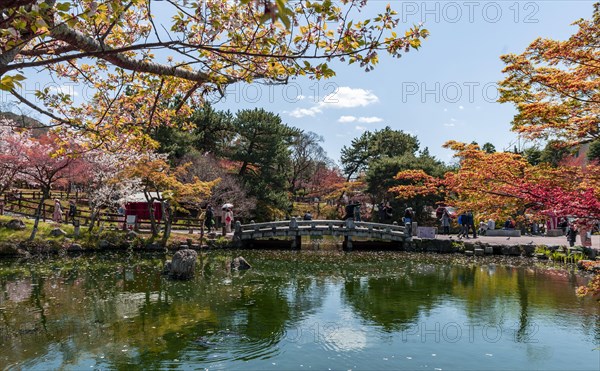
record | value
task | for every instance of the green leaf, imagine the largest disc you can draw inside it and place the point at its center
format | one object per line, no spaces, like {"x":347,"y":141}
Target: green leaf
{"x":64,"y":7}
{"x":285,"y":20}
{"x":9,"y":82}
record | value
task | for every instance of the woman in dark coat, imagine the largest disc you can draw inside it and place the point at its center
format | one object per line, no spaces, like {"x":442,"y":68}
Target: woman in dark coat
{"x":571,"y":235}
{"x":208,"y":218}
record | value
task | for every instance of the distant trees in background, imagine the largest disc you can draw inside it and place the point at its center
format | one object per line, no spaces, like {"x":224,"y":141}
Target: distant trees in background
{"x":263,"y":163}
{"x":377,"y":156}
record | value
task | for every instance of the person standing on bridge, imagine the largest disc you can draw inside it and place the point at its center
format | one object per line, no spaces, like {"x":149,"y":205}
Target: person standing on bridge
{"x":389,"y":211}
{"x":357,"y":212}
{"x":349,"y":210}
{"x":409,"y":216}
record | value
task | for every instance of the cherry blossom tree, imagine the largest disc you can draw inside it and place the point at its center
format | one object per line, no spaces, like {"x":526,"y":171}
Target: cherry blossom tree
{"x":46,"y":164}
{"x":107,"y":181}
{"x":131,"y":56}
{"x":11,"y":154}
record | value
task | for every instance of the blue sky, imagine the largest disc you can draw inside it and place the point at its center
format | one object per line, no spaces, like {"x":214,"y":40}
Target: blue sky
{"x":446,"y":90}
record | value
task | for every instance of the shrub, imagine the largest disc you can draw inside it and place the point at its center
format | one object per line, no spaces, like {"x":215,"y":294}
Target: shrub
{"x":219,"y":243}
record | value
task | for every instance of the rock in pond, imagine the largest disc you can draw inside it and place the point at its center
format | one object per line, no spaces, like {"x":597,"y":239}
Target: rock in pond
{"x":183,"y":264}
{"x":240,"y":263}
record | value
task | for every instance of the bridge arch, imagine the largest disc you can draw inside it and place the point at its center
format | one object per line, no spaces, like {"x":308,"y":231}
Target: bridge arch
{"x":295,"y":229}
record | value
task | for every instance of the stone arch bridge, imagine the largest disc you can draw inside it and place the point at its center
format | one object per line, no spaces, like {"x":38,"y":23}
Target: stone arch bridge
{"x":295,"y":229}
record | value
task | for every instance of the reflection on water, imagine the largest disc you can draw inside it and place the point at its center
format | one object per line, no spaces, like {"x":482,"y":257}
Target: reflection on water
{"x":295,"y":310}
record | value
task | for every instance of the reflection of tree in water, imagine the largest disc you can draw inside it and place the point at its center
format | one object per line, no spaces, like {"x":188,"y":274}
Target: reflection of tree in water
{"x":218,"y":312}
{"x":522,"y":332}
{"x":123,"y":309}
{"x":395,"y":302}
{"x":466,"y":276}
{"x":305,"y":296}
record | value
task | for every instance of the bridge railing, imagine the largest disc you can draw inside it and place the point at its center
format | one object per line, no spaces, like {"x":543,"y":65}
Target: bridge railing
{"x":330,"y":226}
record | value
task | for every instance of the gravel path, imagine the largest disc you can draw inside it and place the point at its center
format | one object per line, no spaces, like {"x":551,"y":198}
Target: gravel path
{"x":524,"y":240}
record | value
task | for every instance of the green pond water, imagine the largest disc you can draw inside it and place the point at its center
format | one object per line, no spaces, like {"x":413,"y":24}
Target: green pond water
{"x":308,"y":310}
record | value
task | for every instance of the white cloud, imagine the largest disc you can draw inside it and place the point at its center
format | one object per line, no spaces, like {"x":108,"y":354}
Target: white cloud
{"x":300,"y":97}
{"x":370,"y":120}
{"x":64,"y":89}
{"x":453,"y":119}
{"x":302,"y":112}
{"x":364,"y":120}
{"x":344,"y":119}
{"x":448,"y":124}
{"x":461,"y":107}
{"x":343,"y":97}
{"x":445,"y":109}
{"x":346,"y":97}
{"x":346,"y":339}
{"x":360,"y":128}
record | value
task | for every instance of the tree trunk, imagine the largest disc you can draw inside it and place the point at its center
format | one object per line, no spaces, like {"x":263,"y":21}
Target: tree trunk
{"x":153,"y":227}
{"x":38,"y":214}
{"x":93,"y":217}
{"x":168,"y":219}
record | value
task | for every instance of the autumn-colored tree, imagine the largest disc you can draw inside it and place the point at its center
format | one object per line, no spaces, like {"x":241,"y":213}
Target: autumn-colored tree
{"x":592,"y":288}
{"x":131,"y":56}
{"x":555,"y":85}
{"x":160,"y":182}
{"x":230,"y":189}
{"x":326,"y":179}
{"x":504,"y":184}
{"x":566,"y":190}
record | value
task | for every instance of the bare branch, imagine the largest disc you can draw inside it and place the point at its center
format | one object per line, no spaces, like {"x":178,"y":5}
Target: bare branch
{"x":22,"y":99}
{"x":64,"y":33}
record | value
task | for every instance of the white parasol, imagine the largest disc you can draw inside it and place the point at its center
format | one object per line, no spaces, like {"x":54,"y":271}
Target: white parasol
{"x":227,"y":206}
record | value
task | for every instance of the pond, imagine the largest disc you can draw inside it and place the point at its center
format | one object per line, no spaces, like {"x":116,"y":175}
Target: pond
{"x":296,"y":311}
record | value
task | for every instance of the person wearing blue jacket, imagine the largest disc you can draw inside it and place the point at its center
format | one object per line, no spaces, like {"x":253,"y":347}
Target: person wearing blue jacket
{"x":460,"y":221}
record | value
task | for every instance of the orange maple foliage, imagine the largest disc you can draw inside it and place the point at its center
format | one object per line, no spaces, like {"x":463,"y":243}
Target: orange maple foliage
{"x":501,"y":184}
{"x":555,"y":85}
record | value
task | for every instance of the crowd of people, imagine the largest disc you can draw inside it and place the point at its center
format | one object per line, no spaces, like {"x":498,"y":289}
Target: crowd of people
{"x":383,"y":212}
{"x":466,"y":225}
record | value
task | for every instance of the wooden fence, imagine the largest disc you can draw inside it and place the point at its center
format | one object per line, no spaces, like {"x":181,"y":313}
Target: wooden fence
{"x":26,"y":203}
